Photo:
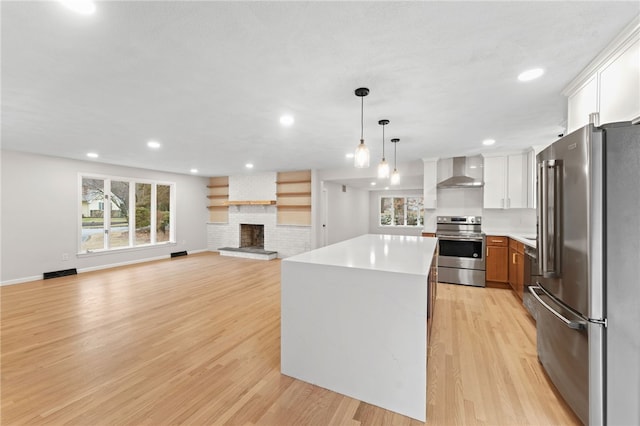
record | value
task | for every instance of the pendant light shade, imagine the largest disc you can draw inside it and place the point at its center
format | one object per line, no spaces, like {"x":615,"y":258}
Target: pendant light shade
{"x":361,"y":157}
{"x":395,"y":176}
{"x":383,"y":167}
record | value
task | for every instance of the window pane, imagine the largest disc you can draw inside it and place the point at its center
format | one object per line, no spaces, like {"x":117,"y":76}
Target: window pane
{"x":163,"y":206}
{"x":398,"y":211}
{"x":119,"y":232}
{"x":415,"y":211}
{"x":143,"y":213}
{"x":386,"y":210}
{"x":92,"y":214}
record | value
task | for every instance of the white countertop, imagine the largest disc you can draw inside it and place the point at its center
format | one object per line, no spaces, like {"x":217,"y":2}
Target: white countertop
{"x":391,"y":253}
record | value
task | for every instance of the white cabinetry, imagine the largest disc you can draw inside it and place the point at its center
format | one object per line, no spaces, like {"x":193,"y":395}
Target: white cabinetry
{"x":582,"y":103}
{"x":620,"y":87}
{"x":430,"y":183}
{"x":506,"y":181}
{"x":609,"y":85}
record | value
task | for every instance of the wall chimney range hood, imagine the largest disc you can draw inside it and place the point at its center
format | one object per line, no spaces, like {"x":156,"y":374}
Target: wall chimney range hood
{"x":459,"y":178}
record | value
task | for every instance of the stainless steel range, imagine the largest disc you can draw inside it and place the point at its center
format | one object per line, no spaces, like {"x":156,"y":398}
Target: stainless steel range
{"x":462,"y":247}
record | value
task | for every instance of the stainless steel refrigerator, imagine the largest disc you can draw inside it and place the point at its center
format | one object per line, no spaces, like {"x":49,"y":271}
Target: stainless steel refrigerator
{"x":588,"y":327}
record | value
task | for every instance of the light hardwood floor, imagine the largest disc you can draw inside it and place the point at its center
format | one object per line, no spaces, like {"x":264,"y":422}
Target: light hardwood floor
{"x":196,"y":340}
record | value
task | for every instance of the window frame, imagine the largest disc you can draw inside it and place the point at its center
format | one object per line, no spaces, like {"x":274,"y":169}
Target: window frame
{"x":108,"y":179}
{"x":405,"y":205}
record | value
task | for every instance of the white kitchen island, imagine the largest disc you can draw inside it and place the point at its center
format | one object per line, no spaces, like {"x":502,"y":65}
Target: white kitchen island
{"x":354,"y":319}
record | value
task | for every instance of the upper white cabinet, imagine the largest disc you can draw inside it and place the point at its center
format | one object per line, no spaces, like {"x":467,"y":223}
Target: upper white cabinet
{"x":507,"y":181}
{"x":582,"y":103}
{"x":620,"y":87}
{"x":430,"y":183}
{"x":609,"y":85}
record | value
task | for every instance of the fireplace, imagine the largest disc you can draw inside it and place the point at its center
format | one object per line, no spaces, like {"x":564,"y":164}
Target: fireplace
{"x":252,"y":236}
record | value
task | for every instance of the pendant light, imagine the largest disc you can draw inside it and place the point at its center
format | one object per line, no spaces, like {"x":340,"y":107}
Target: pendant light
{"x":361,"y":157}
{"x":383,"y":167}
{"x":395,"y":176}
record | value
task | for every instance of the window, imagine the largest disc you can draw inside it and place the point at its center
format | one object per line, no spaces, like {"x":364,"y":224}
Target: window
{"x":401,"y":211}
{"x":120,"y":213}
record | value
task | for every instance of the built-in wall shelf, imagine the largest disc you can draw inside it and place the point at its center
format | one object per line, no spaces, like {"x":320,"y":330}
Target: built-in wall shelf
{"x":293,"y":196}
{"x":294,"y":206}
{"x":218,"y":197}
{"x":290,"y":182}
{"x":250,"y":203}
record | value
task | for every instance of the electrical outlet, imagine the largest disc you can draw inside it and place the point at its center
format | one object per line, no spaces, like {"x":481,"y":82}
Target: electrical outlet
{"x":65,"y":256}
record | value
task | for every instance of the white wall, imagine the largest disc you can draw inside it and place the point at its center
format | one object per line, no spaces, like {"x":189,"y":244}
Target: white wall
{"x":374,"y":213}
{"x":347,"y":212}
{"x":40,"y":215}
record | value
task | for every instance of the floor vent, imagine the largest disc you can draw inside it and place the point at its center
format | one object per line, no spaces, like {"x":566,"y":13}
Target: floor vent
{"x":62,"y":273}
{"x":179,"y":253}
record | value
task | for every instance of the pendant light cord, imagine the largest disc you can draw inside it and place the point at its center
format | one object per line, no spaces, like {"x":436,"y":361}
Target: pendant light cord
{"x":395,"y":156}
{"x":383,"y":141}
{"x":361,"y":118}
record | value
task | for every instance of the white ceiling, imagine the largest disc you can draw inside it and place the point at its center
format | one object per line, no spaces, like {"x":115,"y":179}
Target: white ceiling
{"x":209,"y":80}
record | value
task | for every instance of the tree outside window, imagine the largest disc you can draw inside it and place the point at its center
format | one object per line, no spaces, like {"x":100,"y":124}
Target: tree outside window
{"x":401,"y":211}
{"x":118,"y":213}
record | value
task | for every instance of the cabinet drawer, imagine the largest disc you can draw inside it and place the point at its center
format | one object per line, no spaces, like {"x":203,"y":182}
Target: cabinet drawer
{"x":493,"y":240}
{"x":516,"y":245}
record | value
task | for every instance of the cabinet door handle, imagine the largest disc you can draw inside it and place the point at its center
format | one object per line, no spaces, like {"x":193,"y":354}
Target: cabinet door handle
{"x":487,"y":251}
{"x":513,"y":258}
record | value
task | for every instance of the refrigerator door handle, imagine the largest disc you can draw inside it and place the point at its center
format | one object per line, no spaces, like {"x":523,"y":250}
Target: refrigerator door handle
{"x":573,"y":324}
{"x":550,"y":217}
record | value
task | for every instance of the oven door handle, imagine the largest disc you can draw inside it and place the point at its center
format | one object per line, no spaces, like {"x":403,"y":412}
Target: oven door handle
{"x":457,"y":238}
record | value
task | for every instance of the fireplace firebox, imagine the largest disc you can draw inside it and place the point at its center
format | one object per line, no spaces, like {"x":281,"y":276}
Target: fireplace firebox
{"x":251,"y":236}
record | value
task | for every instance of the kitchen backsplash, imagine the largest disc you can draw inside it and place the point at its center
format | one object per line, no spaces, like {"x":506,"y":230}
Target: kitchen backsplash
{"x":460,"y":202}
{"x":468,"y":202}
{"x":513,"y":220}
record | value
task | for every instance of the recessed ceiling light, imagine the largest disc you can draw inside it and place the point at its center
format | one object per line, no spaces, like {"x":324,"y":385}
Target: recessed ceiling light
{"x":153,"y":144}
{"x":249,"y":166}
{"x":531,"y":74}
{"x":386,"y":187}
{"x":286,"y":120}
{"x":194,"y":170}
{"x":349,"y":155}
{"x":83,"y":7}
{"x":92,"y":155}
{"x":373,"y":184}
{"x":488,"y":142}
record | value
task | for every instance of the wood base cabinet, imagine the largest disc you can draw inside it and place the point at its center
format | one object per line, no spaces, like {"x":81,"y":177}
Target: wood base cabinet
{"x":516,"y":267}
{"x":497,"y":264}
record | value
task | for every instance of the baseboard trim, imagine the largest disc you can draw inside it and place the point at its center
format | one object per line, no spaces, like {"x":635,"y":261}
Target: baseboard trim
{"x":97,"y":268}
